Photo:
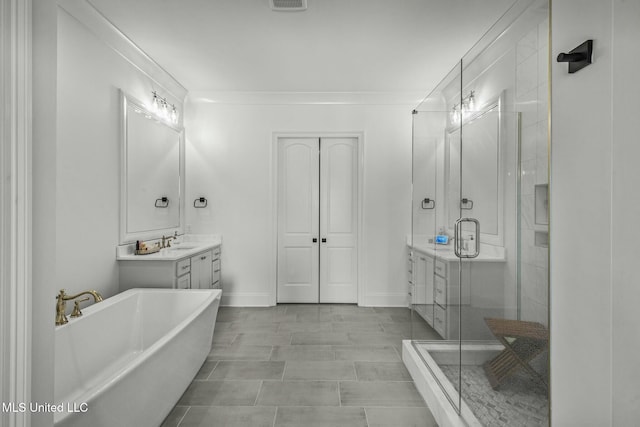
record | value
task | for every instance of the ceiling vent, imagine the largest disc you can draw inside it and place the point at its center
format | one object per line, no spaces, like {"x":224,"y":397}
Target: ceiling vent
{"x":288,"y":5}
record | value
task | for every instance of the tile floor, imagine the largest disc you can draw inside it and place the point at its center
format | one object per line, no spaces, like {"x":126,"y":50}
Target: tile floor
{"x":309,"y":366}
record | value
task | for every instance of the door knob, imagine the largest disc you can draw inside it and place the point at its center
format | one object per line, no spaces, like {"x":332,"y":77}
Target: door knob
{"x":315,"y":240}
{"x":324,"y":240}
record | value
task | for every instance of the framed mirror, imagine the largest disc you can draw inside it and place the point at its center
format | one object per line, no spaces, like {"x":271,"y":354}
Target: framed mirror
{"x":152,"y":174}
{"x":479,"y":156}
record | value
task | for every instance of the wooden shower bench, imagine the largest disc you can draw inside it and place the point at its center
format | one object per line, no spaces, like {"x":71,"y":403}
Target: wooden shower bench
{"x":522,"y":342}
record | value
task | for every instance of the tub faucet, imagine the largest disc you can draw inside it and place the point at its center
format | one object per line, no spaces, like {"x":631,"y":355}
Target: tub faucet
{"x":61,"y":304}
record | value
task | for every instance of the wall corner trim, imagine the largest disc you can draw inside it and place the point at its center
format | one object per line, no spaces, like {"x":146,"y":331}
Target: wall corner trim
{"x":85,"y":13}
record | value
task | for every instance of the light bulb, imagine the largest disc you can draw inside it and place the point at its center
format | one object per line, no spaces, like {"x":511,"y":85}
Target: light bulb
{"x":174,"y":114}
{"x":155,"y":103}
{"x":455,"y":115}
{"x":165,"y":110}
{"x":472,"y":102}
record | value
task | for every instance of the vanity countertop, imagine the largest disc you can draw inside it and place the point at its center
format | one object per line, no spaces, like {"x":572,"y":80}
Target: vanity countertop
{"x":488,"y":253}
{"x":184,"y":248}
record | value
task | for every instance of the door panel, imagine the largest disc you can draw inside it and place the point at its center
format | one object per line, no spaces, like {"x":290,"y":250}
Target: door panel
{"x":317,"y":199}
{"x":298,"y":220}
{"x":338,"y":220}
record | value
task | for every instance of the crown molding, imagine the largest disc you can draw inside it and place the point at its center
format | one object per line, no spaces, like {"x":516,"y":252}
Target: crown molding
{"x":306,"y":98}
{"x":87,"y":14}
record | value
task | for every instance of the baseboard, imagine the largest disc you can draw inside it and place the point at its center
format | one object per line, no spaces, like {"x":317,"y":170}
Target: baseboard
{"x":246,"y":299}
{"x":388,"y":299}
{"x":265,"y":299}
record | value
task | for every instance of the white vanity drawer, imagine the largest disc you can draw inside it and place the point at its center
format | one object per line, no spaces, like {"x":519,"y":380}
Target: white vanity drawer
{"x":440,"y":320}
{"x":183,"y":266}
{"x":216,"y":271}
{"x":440,"y":290}
{"x":441,"y":268}
{"x":216,"y":253}
{"x":184,"y":282}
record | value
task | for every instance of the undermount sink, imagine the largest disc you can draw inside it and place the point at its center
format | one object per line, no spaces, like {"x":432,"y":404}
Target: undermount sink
{"x":179,"y":246}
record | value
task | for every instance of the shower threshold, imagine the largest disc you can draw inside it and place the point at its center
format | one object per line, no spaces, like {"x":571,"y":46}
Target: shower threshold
{"x":433,"y":365}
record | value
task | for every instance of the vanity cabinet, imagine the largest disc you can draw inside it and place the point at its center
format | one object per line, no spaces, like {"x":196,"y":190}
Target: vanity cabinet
{"x":194,"y":271}
{"x":202,"y":270}
{"x":217,"y":283}
{"x":421,"y":285}
{"x":439,"y":292}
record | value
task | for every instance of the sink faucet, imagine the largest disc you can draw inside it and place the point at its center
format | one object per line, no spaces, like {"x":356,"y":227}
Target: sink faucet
{"x":166,"y":241}
{"x":61,"y":304}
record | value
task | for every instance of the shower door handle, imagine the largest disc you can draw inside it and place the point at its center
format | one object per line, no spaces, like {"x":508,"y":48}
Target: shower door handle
{"x":457,"y":233}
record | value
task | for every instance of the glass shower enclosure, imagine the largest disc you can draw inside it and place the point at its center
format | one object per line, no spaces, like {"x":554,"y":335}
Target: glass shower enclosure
{"x":478,"y":251}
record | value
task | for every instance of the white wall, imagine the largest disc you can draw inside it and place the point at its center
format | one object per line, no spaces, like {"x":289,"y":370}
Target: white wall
{"x":90,"y":74}
{"x":44,"y":269}
{"x":76,"y":152}
{"x":594,"y":211}
{"x":229,"y":161}
{"x":625,"y":213}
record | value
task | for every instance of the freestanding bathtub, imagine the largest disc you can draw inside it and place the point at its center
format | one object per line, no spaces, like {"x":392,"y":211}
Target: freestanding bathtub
{"x":128,"y":359}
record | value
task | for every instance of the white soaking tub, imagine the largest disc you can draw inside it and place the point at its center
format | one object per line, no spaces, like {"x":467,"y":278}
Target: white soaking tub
{"x":128,"y":359}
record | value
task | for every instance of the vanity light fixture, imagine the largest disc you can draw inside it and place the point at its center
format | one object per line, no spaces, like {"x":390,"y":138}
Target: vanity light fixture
{"x":459,"y":111}
{"x":163,"y":109}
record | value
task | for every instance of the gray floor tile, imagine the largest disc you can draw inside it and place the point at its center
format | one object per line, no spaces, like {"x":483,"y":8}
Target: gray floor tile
{"x":366,"y":317}
{"x":401,"y":317}
{"x":205,"y":370}
{"x":350,"y":309}
{"x":224,"y":338}
{"x":240,"y":352}
{"x":314,"y":370}
{"x":229,"y":416}
{"x":318,"y":317}
{"x":356,"y":327}
{"x":365,"y":353}
{"x":400,"y":328}
{"x":304,"y":327}
{"x":303,"y":352}
{"x":379,"y":393}
{"x":221,"y":326}
{"x":395,"y":311}
{"x":381,"y":371}
{"x":299,"y":393}
{"x":259,"y":338}
{"x":320,"y":417}
{"x":265,"y":315}
{"x":306,"y":360}
{"x":253,"y":327}
{"x":175,"y":416}
{"x":247,"y":370}
{"x":365,"y":338}
{"x":229,"y":314}
{"x":220,"y":393}
{"x":327,"y":338}
{"x":420,"y":330}
{"x":400,"y":417}
{"x":306,"y":308}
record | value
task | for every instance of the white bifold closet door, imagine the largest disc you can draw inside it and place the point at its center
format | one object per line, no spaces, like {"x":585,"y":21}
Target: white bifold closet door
{"x":317,"y":220}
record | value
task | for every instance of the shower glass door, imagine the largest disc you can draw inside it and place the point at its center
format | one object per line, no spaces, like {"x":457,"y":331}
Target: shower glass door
{"x":479,"y":243}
